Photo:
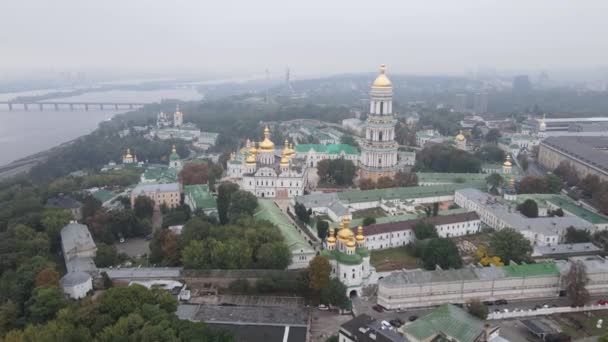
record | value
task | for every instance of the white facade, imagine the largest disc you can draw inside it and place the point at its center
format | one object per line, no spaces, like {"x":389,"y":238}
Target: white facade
{"x":264,"y":173}
{"x":76,"y":285}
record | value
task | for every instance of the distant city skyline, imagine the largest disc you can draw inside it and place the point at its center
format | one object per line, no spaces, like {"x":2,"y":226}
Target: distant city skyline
{"x":313,"y":37}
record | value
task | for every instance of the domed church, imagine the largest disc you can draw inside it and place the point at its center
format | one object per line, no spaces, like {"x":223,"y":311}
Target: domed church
{"x":349,"y":258}
{"x":267,"y":171}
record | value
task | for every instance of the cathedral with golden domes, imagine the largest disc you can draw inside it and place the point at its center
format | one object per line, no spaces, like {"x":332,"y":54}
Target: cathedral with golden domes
{"x":267,"y":171}
{"x":379,"y":156}
{"x":349,"y":258}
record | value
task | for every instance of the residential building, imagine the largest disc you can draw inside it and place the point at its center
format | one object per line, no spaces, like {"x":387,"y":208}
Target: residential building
{"x":65,"y":202}
{"x":498,"y":215}
{"x":79,"y":249}
{"x":198,"y":197}
{"x":77,"y":242}
{"x":480,"y":103}
{"x":314,"y":153}
{"x":451,"y":323}
{"x":168,"y":194}
{"x":379,"y":150}
{"x":395,"y":234}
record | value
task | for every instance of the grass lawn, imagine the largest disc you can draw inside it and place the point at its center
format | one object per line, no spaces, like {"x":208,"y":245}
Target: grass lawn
{"x":568,"y":323}
{"x":371,"y":212}
{"x":393,"y":259}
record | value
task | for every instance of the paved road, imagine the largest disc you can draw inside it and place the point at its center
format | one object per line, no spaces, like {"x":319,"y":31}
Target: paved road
{"x":534,"y":169}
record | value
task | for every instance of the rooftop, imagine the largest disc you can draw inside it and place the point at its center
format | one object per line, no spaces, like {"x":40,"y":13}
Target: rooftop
{"x":355,"y":196}
{"x":74,"y":278}
{"x":76,"y":237}
{"x":155,"y":187}
{"x":103,"y":195}
{"x":409,"y":224}
{"x":448,"y":320}
{"x":269,"y":211}
{"x":366,"y":329}
{"x":201,"y":195}
{"x":439,"y":177}
{"x":64,"y":202}
{"x":570,"y":248}
{"x":588,"y":149}
{"x":330,"y":148}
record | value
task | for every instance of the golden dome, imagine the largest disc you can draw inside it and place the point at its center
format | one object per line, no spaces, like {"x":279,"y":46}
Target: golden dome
{"x":331,"y":238}
{"x":460,"y":136}
{"x":250,"y":159}
{"x":360,"y":237}
{"x":382,"y":81}
{"x":128,"y":154}
{"x":350,"y":244}
{"x":266,"y":144}
{"x":507,"y":162}
{"x":345,"y":234}
{"x":291,"y":150}
{"x":284,"y":161}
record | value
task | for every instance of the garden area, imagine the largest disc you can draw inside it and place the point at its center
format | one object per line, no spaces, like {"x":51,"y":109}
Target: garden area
{"x":371,"y":212}
{"x":393,"y":259}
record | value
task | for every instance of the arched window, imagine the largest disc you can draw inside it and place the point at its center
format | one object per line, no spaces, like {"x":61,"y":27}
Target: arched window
{"x":379,"y":161}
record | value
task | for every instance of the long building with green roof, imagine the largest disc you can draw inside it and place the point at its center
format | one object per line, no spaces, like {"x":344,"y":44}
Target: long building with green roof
{"x":301,"y":250}
{"x":314,"y":153}
{"x":198,"y":197}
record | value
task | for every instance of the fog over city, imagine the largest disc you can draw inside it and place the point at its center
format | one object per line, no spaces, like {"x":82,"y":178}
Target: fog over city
{"x":313,"y":37}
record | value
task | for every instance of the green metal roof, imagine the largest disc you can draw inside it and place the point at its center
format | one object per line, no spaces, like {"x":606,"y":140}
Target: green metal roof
{"x":343,"y":258}
{"x":268,"y":210}
{"x":355,"y":196}
{"x":576,"y":210}
{"x":103,"y":195}
{"x":448,"y":320}
{"x":160,"y":174}
{"x":531,"y":270}
{"x":201,"y":195}
{"x":451,"y":177}
{"x":330,"y":148}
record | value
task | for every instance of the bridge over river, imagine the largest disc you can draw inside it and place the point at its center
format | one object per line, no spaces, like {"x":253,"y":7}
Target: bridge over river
{"x":56,"y":105}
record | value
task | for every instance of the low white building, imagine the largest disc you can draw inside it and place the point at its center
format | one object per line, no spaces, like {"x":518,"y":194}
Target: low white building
{"x":388,"y":235}
{"x":76,"y":285}
{"x":498,"y":215}
{"x":77,"y":242}
{"x":314,"y":153}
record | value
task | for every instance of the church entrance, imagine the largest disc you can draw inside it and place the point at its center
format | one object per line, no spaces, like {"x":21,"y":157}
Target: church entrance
{"x":353,"y":294}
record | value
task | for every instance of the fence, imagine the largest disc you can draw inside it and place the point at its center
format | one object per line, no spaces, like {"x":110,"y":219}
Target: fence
{"x":545,"y":311}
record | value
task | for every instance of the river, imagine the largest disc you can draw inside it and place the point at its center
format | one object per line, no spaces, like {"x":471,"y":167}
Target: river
{"x":23,"y":133}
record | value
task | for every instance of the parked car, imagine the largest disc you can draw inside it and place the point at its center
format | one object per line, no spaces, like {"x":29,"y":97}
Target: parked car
{"x":323,"y":307}
{"x":386,"y":324}
{"x":488,"y":302}
{"x":396,"y":322}
{"x":378,"y":308}
{"x":149,"y":237}
{"x":501,"y":302}
{"x":122,"y":240}
{"x":545,"y":306}
{"x":412,"y":318}
{"x":603,"y":302}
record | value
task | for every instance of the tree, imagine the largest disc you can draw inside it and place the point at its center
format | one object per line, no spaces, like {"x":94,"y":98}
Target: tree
{"x":322,"y":228}
{"x":47,"y":277}
{"x":567,"y":173}
{"x":493,"y":135}
{"x":349,"y":140}
{"x":106,"y":255}
{"x":143,"y":207}
{"x":494,"y":180}
{"x":576,"y":281}
{"x":334,"y":294}
{"x":590,"y":184}
{"x":194,"y":255}
{"x":424,"y":230}
{"x":477,"y":309}
{"x":318,"y":273}
{"x":45,"y":303}
{"x":274,"y":255}
{"x":554,"y":184}
{"x":301,"y":212}
{"x":336,"y":171}
{"x":366,"y":184}
{"x":529,"y":208}
{"x":490,"y":154}
{"x":403,"y":179}
{"x":574,"y":235}
{"x":224,"y":194}
{"x":90,"y":205}
{"x":385,"y":182}
{"x":369,"y":220}
{"x":194,"y":173}
{"x":510,"y":245}
{"x":523,"y":161}
{"x":442,"y":252}
{"x":446,"y":158}
{"x":242,"y":203}
{"x":53,"y":220}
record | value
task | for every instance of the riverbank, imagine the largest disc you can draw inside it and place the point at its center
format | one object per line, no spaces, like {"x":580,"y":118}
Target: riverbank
{"x":24,"y":165}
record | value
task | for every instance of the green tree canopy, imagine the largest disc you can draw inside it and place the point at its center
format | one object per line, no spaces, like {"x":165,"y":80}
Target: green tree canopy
{"x":510,"y":245}
{"x":334,"y":294}
{"x":442,"y":252}
{"x":224,"y":194}
{"x":106,"y":255}
{"x":424,"y":230}
{"x":274,"y":255}
{"x":574,"y":235}
{"x":45,"y":303}
{"x":143,"y":207}
{"x":528,"y":208}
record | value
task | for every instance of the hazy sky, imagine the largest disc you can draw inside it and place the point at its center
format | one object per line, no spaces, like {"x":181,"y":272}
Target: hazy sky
{"x":311,"y":36}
